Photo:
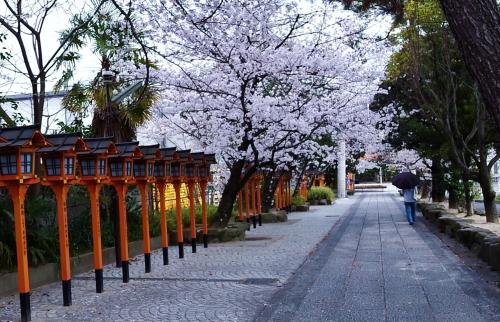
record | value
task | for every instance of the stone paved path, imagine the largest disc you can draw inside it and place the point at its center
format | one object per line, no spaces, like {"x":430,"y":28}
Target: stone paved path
{"x":225,"y":282}
{"x":358,"y":260}
{"x":376,"y":267}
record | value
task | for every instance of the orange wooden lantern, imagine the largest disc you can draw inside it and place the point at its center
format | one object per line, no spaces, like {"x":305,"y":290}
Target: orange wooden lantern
{"x":17,"y":173}
{"x":144,"y":175}
{"x":162,"y":176}
{"x":93,"y":172}
{"x":178,"y":173}
{"x":120,"y":176}
{"x":59,"y":163}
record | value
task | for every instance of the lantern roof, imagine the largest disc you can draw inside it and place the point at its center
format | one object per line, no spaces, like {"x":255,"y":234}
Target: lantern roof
{"x":198,"y":156}
{"x":210,"y":158}
{"x":151,"y":151}
{"x":168,"y":153}
{"x":22,"y":136}
{"x":184,"y":155}
{"x":103,"y":145}
{"x":128,"y":149}
{"x":64,"y":143}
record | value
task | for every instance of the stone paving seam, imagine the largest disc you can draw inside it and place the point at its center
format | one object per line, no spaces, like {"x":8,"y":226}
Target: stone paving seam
{"x":382,"y":263}
{"x":278,"y":299}
{"x":395,"y":202}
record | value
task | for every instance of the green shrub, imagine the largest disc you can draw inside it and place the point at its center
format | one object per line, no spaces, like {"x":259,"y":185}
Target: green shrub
{"x":298,"y":201}
{"x":318,"y":193}
{"x":172,"y":223}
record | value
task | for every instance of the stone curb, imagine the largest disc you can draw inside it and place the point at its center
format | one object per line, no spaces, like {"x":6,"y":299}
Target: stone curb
{"x":274,"y":217}
{"x":482,"y":242}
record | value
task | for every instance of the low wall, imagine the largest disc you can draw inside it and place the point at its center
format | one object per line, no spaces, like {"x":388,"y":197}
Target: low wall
{"x":49,"y":273}
{"x":482,"y":242}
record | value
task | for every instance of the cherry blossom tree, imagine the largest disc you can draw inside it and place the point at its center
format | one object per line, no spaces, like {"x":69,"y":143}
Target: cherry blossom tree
{"x":259,"y":82}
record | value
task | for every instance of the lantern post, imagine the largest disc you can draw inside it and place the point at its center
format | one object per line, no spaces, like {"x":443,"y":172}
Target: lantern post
{"x":254,"y":201}
{"x":240,"y":205}
{"x":121,"y":175}
{"x":144,"y":176}
{"x":278,"y":194}
{"x":204,"y":177}
{"x":287,"y":191}
{"x":163,"y":177}
{"x":247,"y":204}
{"x":192,"y":176}
{"x":178,"y":171}
{"x":59,"y":162}
{"x":259,"y":200}
{"x":17,"y":173}
{"x":93,"y":172}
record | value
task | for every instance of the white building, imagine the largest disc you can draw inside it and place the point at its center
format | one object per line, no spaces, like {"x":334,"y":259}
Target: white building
{"x":53,"y":111}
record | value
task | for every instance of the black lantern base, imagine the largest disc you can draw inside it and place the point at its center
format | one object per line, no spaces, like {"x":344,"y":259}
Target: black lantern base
{"x":165,"y":255}
{"x":260,"y":219}
{"x":25,"y":306}
{"x":125,"y":272}
{"x":205,"y":240}
{"x":99,"y":281}
{"x":147,"y":262}
{"x":181,"y":250}
{"x":66,"y":287}
{"x":193,"y":244}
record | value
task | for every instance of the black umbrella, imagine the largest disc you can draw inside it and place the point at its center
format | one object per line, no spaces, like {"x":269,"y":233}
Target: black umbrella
{"x":405,"y":180}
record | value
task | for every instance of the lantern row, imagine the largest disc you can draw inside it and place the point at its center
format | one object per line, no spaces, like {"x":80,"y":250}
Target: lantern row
{"x":68,"y":159}
{"x":249,"y":198}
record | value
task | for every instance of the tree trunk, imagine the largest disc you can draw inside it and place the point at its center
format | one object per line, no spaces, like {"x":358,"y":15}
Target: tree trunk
{"x":438,"y":184}
{"x":452,"y":198}
{"x":488,"y":193}
{"x":38,"y":100}
{"x":425,"y":190}
{"x":476,"y":28}
{"x":467,"y":196}
{"x":231,"y":189}
{"x":299,"y":179}
{"x":266,"y":194}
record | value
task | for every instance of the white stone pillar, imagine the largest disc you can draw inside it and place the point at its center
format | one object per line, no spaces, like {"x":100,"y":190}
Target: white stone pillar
{"x":341,"y":171}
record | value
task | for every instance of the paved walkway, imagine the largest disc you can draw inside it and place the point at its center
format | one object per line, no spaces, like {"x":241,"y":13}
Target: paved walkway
{"x":225,"y":282}
{"x":355,"y":261}
{"x":376,"y":267}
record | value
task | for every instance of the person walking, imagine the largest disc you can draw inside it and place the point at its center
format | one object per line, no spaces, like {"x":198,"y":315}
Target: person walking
{"x":407,"y":182}
{"x":410,"y":202}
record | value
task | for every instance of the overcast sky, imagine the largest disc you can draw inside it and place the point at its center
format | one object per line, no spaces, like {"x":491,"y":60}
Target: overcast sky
{"x":16,"y":83}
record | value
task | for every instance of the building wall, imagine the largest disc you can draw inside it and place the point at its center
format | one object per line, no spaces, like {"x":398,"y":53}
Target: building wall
{"x":53,"y":111}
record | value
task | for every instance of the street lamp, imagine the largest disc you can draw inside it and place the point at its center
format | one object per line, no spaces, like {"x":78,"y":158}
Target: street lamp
{"x":108,"y":78}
